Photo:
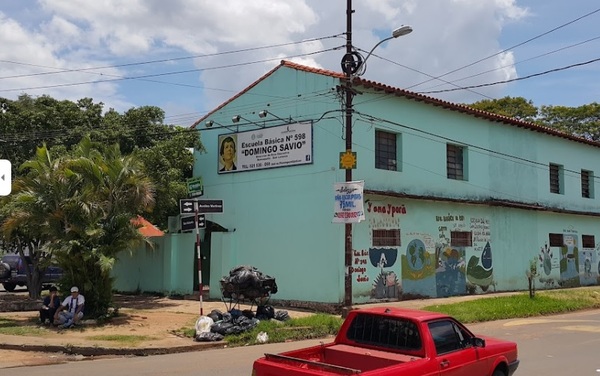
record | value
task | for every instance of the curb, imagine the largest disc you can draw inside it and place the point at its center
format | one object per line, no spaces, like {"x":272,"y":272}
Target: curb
{"x":99,"y":351}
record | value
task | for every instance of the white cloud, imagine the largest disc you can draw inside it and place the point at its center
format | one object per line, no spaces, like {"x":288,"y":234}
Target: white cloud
{"x":448,"y":34}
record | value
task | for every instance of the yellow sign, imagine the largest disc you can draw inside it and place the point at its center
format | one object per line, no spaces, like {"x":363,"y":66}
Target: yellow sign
{"x":348,"y":160}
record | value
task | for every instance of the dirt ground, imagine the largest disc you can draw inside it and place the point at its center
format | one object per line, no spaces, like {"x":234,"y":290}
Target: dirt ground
{"x":156,"y":321}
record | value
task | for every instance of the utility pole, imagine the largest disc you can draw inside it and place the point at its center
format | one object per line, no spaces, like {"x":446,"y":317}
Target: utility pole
{"x":348,"y":70}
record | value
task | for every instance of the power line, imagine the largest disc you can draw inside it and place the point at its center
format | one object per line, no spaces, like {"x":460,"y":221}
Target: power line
{"x":60,"y":70}
{"x":170,"y":73}
{"x":513,"y":79}
{"x":518,"y":62}
{"x":508,"y":49}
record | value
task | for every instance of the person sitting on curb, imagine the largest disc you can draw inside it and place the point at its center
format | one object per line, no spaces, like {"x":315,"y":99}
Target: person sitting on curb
{"x":49,"y":306}
{"x":74,"y":309}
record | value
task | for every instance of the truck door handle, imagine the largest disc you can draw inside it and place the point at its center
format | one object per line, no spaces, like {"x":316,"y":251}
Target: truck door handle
{"x":445,"y":363}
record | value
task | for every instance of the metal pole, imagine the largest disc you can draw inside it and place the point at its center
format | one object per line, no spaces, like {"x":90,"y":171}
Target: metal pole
{"x":348,"y":226}
{"x":199,"y":256}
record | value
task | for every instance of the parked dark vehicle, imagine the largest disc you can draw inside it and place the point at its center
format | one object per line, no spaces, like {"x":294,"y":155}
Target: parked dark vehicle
{"x":13,"y":273}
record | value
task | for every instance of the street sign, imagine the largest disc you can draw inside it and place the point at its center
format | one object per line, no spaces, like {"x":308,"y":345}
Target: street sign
{"x":210,"y":206}
{"x":189,"y":223}
{"x":186,"y":206}
{"x":195,"y":187}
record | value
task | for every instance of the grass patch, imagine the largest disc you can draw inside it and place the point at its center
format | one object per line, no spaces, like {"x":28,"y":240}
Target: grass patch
{"x":16,"y":328}
{"x":520,"y":305}
{"x":315,"y":326}
{"x":123,"y":339}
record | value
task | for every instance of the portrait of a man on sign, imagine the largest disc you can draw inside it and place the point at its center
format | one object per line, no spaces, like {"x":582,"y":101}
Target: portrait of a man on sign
{"x":227,"y":153}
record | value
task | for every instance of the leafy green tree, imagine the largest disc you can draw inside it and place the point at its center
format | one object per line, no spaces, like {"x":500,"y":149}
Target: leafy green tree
{"x":515,"y":107}
{"x":112,"y":189}
{"x":78,"y":208}
{"x":38,"y":195}
{"x":583,"y":121}
{"x":169,"y":164}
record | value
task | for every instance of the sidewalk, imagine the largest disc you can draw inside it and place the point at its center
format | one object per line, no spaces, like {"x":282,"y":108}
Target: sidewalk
{"x":152,"y":322}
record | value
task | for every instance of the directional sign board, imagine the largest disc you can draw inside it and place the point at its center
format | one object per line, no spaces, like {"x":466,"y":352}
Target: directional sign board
{"x":210,"y":206}
{"x":186,"y":206}
{"x":195,"y":187}
{"x":189,"y":223}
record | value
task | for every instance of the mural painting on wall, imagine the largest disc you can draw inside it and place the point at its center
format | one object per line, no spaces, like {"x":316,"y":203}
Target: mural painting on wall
{"x":588,"y":273}
{"x":384,"y":215}
{"x":419,"y":266}
{"x":480,"y":268}
{"x":547,"y":263}
{"x":569,"y":260}
{"x":450,"y":269}
{"x":386,"y":285}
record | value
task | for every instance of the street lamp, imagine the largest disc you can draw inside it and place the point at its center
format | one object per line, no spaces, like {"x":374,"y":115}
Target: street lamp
{"x":353,"y":65}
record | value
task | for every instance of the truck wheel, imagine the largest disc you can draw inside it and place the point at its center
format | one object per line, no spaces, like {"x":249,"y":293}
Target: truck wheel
{"x":10,"y":287}
{"x":4,"y":270}
{"x":498,"y":373}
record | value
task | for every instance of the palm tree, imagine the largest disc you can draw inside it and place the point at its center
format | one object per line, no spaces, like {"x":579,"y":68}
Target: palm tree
{"x":78,"y":208}
{"x":39,"y":195}
{"x":112,"y":189}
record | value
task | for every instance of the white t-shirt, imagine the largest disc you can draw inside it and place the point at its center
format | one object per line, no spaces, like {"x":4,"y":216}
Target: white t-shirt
{"x":71,"y":303}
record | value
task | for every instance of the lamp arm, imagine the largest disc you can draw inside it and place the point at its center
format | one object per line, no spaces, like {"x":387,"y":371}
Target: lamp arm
{"x":374,"y":47}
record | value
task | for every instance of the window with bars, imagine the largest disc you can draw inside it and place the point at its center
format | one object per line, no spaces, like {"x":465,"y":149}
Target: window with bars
{"x":588,"y":241}
{"x":386,"y":238}
{"x":586,"y":184}
{"x":461,"y":238}
{"x":555,"y":178}
{"x":556,"y":240}
{"x":455,"y":162}
{"x":386,"y":151}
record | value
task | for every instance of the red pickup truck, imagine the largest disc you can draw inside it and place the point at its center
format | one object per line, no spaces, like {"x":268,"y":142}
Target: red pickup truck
{"x":389,"y":341}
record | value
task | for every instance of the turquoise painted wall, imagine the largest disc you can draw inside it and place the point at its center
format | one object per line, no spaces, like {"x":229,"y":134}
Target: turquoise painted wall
{"x":167,"y":269}
{"x":279,"y":220}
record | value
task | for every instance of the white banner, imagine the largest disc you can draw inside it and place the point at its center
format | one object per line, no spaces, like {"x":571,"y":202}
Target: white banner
{"x":349,"y":202}
{"x":285,"y":145}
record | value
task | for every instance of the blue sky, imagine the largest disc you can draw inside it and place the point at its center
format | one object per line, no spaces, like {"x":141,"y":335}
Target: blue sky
{"x":141,"y":52}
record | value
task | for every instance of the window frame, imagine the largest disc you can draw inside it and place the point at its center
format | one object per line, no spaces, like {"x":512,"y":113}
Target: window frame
{"x":555,"y":178}
{"x":587,"y":184}
{"x":386,"y":237}
{"x":588,"y":241}
{"x":461,"y":239}
{"x":455,"y":337}
{"x":456,"y":162}
{"x":386,"y":150}
{"x":553,"y":239}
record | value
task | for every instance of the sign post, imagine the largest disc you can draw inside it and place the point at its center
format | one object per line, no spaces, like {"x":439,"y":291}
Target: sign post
{"x":187,"y":206}
{"x":200,"y":287}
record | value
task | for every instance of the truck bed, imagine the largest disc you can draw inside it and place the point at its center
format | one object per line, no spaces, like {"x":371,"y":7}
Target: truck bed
{"x":340,"y":359}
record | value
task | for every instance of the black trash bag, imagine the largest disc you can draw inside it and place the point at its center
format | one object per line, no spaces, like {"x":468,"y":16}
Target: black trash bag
{"x":234,"y":329}
{"x":282,"y":316}
{"x":221,"y":327}
{"x":247,"y":323}
{"x":216,"y":315}
{"x":248,"y":313}
{"x":209,"y":337}
{"x":265,"y":312}
{"x":227,"y":317}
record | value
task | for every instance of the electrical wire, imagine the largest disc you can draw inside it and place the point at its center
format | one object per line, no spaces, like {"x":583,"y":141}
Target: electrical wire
{"x":147,"y":62}
{"x":507,"y":49}
{"x":171,"y":73}
{"x":513,"y":79}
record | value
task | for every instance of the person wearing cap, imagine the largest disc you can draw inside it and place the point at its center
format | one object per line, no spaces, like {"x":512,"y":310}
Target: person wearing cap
{"x":49,"y":306}
{"x":71,"y":309}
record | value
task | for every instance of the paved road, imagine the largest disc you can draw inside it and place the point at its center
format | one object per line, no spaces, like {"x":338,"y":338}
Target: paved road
{"x":556,"y":345}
